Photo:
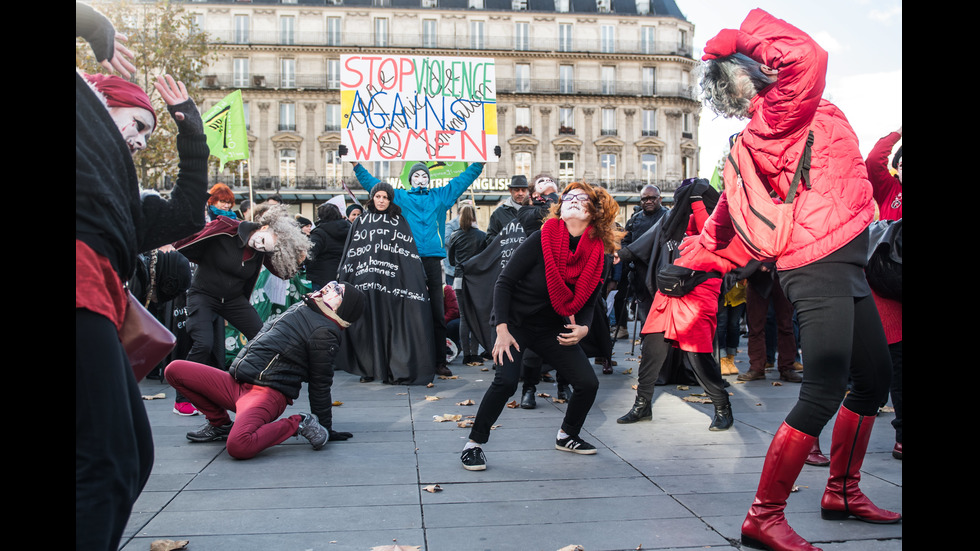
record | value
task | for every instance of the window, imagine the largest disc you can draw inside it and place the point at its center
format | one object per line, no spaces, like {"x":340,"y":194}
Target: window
{"x":521,"y":40}
{"x":566,"y":120}
{"x":608,"y":79}
{"x":686,"y":130}
{"x":430,"y":3}
{"x":333,"y":31}
{"x":475,"y":4}
{"x":649,"y":81}
{"x":565,"y":37}
{"x":648,"y":168}
{"x":333,"y":74}
{"x":643,"y":7}
{"x":566,"y":79}
{"x":683,"y":40}
{"x":287,"y":117}
{"x":381,"y":32}
{"x":649,"y":122}
{"x":248,"y":117}
{"x":333,"y":118}
{"x":429,"y":37}
{"x":607,"y":167}
{"x":518,"y":5}
{"x":287,"y":26}
{"x":287,"y":73}
{"x":381,"y":3}
{"x":522,"y":163}
{"x":522,"y":78}
{"x":476,"y":35}
{"x":240,"y":76}
{"x":287,"y":167}
{"x":562,"y":5}
{"x":241,"y":29}
{"x":333,"y":168}
{"x":608,"y":121}
{"x":648,"y":40}
{"x":289,"y":1}
{"x":566,"y":168}
{"x":602,"y":6}
{"x":382,"y":170}
{"x":198,"y":21}
{"x":523,"y":120}
{"x":608,"y":44}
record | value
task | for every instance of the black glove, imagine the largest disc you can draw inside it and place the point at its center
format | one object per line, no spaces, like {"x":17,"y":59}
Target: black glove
{"x":334,"y":435}
{"x":496,"y":151}
{"x":342,"y":150}
{"x":96,"y":29}
{"x":192,"y":125}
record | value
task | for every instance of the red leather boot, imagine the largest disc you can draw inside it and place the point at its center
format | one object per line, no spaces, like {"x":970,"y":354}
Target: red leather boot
{"x":843,"y":498}
{"x":765,"y":526}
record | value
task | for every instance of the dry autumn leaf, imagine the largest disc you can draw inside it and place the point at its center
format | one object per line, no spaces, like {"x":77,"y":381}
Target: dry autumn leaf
{"x":887,"y":409}
{"x":432,"y":488}
{"x":447,"y":417}
{"x":512,"y":404}
{"x":168,"y":545}
{"x":466,"y":403}
{"x":572,"y":548}
{"x":696,"y":400}
{"x":449,"y":377}
{"x":544,"y":395}
{"x":338,"y":403}
{"x":777,"y":383}
{"x":401,"y":394}
{"x":628,"y":371}
{"x":634,"y":387}
{"x":396,"y":547}
{"x":484,"y":369}
{"x":432,"y":398}
{"x":154,"y":396}
{"x":465,"y":424}
{"x":494,"y":427}
{"x":558,"y":401}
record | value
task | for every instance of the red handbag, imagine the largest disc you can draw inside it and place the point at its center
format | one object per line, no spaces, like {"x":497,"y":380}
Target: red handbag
{"x":146,"y":340}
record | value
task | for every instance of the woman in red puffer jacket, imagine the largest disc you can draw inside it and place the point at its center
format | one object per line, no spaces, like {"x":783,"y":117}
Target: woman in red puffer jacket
{"x":774,"y":74}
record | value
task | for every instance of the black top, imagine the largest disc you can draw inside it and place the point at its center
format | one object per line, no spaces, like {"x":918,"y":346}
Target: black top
{"x":522,"y":289}
{"x":328,"y":247}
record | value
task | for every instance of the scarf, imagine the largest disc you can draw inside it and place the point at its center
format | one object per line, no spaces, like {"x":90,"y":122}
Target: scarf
{"x":571,"y":277}
{"x":215,"y":212}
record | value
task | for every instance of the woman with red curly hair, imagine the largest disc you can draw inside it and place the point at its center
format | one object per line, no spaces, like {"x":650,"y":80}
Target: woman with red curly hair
{"x":544,"y":300}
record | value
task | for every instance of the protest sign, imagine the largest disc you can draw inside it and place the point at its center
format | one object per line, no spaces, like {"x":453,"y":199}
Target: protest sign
{"x":418,"y":108}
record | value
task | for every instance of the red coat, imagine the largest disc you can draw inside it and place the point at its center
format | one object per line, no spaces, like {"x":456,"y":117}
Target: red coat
{"x":888,"y":194}
{"x":839,"y":204}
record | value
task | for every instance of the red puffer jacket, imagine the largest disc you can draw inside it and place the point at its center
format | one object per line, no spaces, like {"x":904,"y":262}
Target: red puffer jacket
{"x":839,"y":203}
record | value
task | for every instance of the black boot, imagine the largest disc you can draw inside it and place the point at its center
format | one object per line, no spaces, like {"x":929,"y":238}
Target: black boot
{"x":642,"y":411}
{"x":723,"y":418}
{"x":562,"y":392}
{"x":527,"y":402}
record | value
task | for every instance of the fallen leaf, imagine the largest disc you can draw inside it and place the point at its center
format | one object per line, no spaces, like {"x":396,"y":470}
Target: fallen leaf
{"x":168,"y":545}
{"x":628,"y":371}
{"x":572,"y":548}
{"x":484,"y":369}
{"x":544,"y":395}
{"x":447,"y":417}
{"x":154,"y":397}
{"x":465,"y":424}
{"x":696,"y":400}
{"x":632,"y":359}
{"x":494,"y":427}
{"x":887,"y":409}
{"x":430,"y":385}
{"x":396,"y":547}
{"x":777,"y":383}
{"x":634,"y":387}
{"x":466,"y":403}
{"x":432,"y":398}
{"x":449,"y":377}
{"x":401,"y":394}
{"x":759,"y":404}
{"x":683,"y":387}
{"x":513,"y":404}
{"x":432,"y":488}
{"x":558,"y":401}
{"x":338,"y":403}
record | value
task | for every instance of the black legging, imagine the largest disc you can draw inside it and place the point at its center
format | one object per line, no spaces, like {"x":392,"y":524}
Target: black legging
{"x":539,"y":334}
{"x":113,"y":442}
{"x":841,"y":337}
{"x":655,"y":350}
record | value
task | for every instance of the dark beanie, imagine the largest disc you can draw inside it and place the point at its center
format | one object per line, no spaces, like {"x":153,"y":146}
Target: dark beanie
{"x":352,"y":207}
{"x":303,"y":221}
{"x":898,"y":155}
{"x":352,"y":307}
{"x":417,"y":167}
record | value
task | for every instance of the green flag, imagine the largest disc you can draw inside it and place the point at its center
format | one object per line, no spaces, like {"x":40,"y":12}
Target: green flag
{"x":716,"y":181}
{"x":224,"y":125}
{"x":438,"y":170}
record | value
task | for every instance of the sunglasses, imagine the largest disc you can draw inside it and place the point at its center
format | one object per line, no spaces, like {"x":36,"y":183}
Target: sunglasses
{"x":648,"y":199}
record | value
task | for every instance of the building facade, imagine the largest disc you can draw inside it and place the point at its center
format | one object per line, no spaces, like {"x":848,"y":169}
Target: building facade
{"x":593,"y":90}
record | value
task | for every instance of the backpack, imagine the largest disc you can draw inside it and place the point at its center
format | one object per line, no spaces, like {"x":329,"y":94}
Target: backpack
{"x":763,"y":225}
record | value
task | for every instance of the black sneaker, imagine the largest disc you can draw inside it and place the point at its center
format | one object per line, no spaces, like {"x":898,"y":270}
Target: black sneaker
{"x":575,"y":444}
{"x":473,"y":459}
{"x":210,"y":433}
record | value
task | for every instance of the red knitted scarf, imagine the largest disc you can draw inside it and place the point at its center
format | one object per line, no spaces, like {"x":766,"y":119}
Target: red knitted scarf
{"x":571,"y":276}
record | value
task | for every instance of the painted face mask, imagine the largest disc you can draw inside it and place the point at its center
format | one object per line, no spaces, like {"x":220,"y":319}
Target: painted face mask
{"x":573,"y":206}
{"x":420,"y":179}
{"x":331,"y":295}
{"x":262,"y":239}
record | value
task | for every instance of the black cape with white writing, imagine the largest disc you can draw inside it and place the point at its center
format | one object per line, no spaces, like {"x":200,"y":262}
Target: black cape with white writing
{"x":479,"y":278}
{"x":392,"y":342}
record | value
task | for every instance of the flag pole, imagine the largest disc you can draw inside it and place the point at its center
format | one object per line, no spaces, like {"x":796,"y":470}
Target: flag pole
{"x":251,"y":201}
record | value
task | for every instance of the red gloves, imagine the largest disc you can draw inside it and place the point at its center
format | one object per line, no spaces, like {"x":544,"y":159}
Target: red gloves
{"x":722,"y":45}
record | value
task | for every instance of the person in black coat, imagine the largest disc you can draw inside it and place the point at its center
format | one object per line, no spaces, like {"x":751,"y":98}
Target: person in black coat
{"x":328,"y":237}
{"x":297,"y":347}
{"x":464,"y":244}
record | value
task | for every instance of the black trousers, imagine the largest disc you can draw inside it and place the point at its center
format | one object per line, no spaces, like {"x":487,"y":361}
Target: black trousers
{"x":541,"y":336}
{"x":655,"y":350}
{"x":113,"y":442}
{"x":842,"y":337}
{"x":437,"y":300}
{"x":896,"y":390}
{"x":201,"y":312}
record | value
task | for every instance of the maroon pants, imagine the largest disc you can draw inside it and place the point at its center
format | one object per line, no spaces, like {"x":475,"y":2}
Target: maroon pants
{"x":214,"y":393}
{"x":756,"y":311}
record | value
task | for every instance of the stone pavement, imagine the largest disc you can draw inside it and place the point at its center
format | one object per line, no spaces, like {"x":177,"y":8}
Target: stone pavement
{"x":665,"y":484}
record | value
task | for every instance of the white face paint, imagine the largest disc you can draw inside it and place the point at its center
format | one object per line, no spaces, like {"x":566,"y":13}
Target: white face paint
{"x":262,"y":239}
{"x":573,"y":206}
{"x":543,"y":186}
{"x":419,"y":179}
{"x":135,"y":124}
{"x":332,"y":295}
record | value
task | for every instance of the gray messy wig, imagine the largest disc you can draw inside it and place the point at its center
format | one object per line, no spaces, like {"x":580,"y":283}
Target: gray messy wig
{"x":291,"y":243}
{"x":729,"y":83}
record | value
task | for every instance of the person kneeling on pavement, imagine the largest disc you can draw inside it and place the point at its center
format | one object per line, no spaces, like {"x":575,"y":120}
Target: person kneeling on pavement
{"x":299,"y":346}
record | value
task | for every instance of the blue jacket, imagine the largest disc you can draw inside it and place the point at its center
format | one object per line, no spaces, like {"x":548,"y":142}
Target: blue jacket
{"x":426,"y":212}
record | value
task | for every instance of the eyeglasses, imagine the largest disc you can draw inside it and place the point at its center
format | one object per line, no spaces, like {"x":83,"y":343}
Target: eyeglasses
{"x":582,"y":197}
{"x":648,"y":199}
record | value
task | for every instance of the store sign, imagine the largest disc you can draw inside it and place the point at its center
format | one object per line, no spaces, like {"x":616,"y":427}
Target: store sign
{"x":418,"y":108}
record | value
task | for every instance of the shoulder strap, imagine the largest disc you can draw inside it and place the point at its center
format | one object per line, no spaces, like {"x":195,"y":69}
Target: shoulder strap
{"x":802,"y":169}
